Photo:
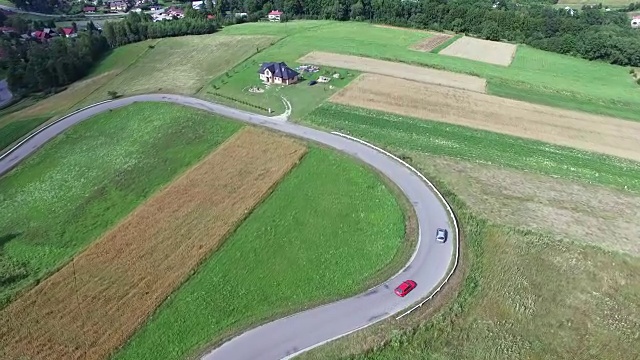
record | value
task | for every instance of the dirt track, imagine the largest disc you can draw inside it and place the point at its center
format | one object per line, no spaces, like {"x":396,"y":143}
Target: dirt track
{"x":121,"y":278}
{"x":492,"y":52}
{"x":563,"y":127}
{"x":398,"y":70}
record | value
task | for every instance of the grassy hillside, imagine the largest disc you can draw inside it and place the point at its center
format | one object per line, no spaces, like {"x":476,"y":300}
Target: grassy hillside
{"x":157,"y":65}
{"x":286,"y":255}
{"x":530,"y":213}
{"x":404,"y":135}
{"x":533,"y":75}
{"x":83,"y":182}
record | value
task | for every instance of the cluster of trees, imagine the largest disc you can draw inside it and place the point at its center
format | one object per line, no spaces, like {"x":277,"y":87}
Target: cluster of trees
{"x":43,"y":6}
{"x":139,"y":26}
{"x":47,"y":66}
{"x":590,"y":33}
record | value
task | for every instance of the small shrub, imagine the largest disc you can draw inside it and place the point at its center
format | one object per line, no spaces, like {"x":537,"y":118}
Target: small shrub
{"x":113,"y":94}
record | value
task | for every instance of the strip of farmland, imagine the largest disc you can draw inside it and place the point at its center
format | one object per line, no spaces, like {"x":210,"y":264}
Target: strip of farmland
{"x":92,"y":306}
{"x":404,"y":71}
{"x":430,"y":102}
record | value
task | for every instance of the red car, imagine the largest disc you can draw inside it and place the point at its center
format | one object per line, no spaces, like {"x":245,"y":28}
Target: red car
{"x":405,"y":288}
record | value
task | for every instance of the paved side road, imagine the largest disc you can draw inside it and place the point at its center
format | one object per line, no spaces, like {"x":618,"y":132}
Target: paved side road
{"x":286,"y":337}
{"x":5,"y":93}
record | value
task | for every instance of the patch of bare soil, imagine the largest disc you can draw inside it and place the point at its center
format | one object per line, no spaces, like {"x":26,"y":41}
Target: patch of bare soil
{"x":492,"y":52}
{"x":398,"y":70}
{"x":407,"y":29}
{"x":431,"y":43}
{"x":562,"y":127}
{"x":94,"y":304}
{"x":562,"y":208}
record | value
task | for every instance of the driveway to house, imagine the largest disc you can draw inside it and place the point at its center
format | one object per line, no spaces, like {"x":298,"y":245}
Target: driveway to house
{"x":430,"y":265}
{"x":5,"y":93}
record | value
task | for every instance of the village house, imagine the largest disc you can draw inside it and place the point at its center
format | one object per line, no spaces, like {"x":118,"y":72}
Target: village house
{"x":278,"y":73}
{"x":635,"y":22}
{"x":7,"y":30}
{"x":89,"y":9}
{"x":275,"y":15}
{"x":155,"y":7}
{"x":198,"y":5}
{"x":118,"y":6}
{"x":177,"y":12}
{"x":69,"y":32}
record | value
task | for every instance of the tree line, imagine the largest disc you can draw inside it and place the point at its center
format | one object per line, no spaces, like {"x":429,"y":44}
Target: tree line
{"x":34,"y":66}
{"x":589,"y":33}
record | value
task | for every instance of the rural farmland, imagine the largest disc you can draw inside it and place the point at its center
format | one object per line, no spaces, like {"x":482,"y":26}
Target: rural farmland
{"x":121,"y":278}
{"x":402,"y":71}
{"x":159,"y":231}
{"x":491,"y":52}
{"x":431,"y":102}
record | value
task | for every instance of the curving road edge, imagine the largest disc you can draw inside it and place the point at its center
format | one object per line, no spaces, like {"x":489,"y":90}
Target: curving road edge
{"x":431,"y":264}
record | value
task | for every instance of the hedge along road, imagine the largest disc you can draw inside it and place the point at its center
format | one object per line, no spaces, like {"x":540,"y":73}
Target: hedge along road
{"x":430,"y":265}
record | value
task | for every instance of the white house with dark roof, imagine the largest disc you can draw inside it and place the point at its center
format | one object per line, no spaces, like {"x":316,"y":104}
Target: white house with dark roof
{"x":278,"y":73}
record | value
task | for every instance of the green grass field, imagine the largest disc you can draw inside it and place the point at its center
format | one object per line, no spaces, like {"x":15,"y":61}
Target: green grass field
{"x":324,"y":233}
{"x":525,"y":296}
{"x":81,"y":183}
{"x":17,"y":129}
{"x":402,"y":134}
{"x":148,"y":66}
{"x":26,"y":115}
{"x":521,"y":229}
{"x":533,"y":75}
{"x":181,"y":65}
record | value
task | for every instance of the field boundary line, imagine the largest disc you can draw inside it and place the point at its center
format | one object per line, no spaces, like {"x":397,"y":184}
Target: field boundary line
{"x":442,"y":199}
{"x":8,"y":152}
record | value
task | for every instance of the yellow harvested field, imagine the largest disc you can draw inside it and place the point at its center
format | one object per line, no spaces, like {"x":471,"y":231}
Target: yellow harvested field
{"x":398,"y":70}
{"x":492,"y":52}
{"x":562,"y":127}
{"x":96,"y":302}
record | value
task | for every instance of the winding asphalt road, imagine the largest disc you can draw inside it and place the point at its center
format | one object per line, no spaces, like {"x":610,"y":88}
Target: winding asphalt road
{"x":289,"y":336}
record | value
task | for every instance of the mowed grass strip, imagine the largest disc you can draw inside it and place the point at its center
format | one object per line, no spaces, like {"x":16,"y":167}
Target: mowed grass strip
{"x":83,"y":182}
{"x":329,"y":230}
{"x":579,"y":130}
{"x":405,"y":134}
{"x":91,"y":306}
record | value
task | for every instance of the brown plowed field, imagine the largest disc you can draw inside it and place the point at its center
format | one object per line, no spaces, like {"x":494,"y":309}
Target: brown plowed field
{"x":399,"y":70}
{"x":562,"y":127}
{"x":431,"y":43}
{"x":492,"y":52}
{"x":95,"y":303}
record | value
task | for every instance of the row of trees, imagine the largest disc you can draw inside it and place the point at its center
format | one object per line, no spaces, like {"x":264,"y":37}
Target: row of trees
{"x":139,"y":26}
{"x":44,"y":67}
{"x":47,"y":66}
{"x":590,"y":33}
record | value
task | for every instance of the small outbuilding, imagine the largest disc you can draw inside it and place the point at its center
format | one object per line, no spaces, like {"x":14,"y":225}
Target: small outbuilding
{"x":278,"y":73}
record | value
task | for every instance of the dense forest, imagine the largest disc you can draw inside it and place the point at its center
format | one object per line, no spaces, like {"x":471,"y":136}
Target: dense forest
{"x":47,"y":66}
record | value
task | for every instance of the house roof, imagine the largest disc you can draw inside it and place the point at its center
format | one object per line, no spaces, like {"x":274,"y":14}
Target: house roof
{"x":68,"y":30}
{"x":276,"y":12}
{"x":7,"y":29}
{"x":89,"y":8}
{"x":279,"y":69}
